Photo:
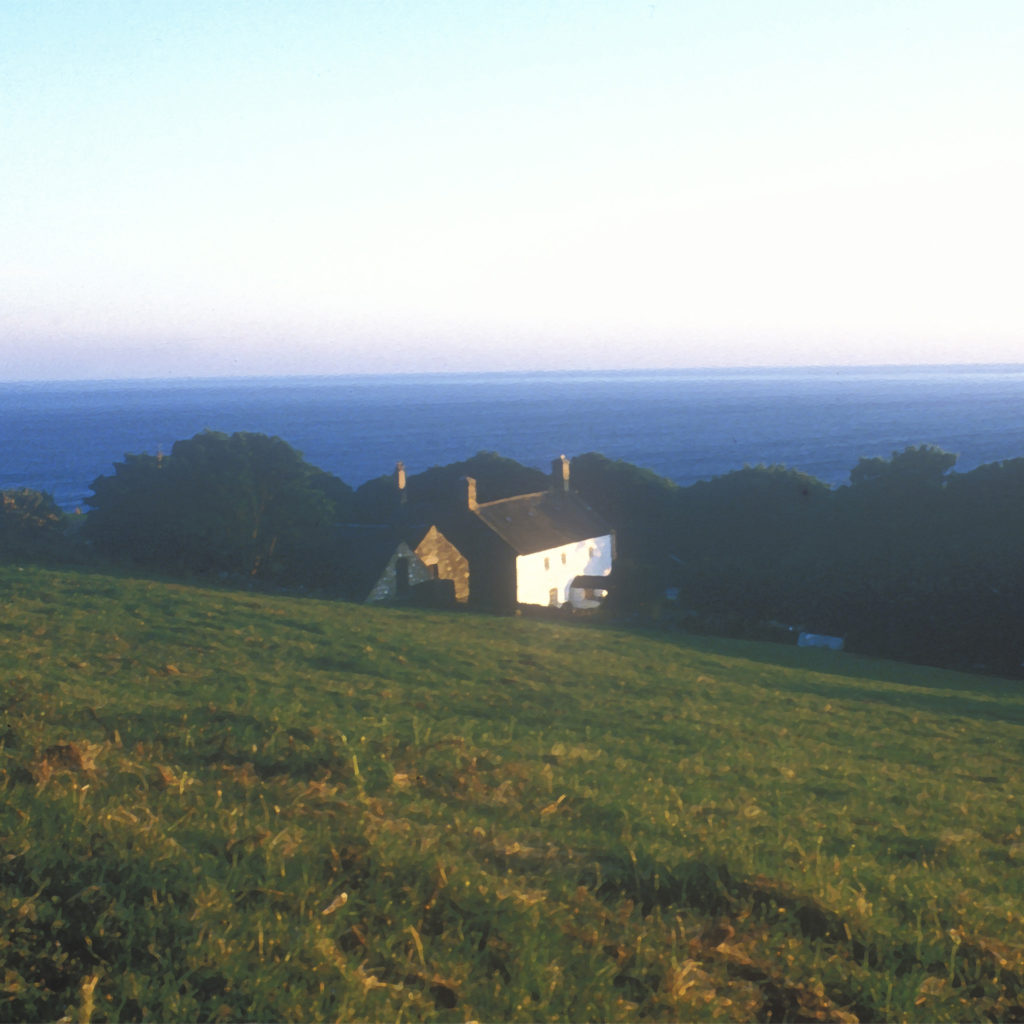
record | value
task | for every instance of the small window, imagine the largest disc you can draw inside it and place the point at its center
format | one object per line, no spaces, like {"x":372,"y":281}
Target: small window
{"x":563,"y":558}
{"x":553,"y":597}
{"x":593,"y":551}
{"x":547,"y":563}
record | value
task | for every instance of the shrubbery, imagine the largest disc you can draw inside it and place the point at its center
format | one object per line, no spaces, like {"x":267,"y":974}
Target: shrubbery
{"x":31,"y":525}
{"x":910,"y":560}
{"x":247,"y":505}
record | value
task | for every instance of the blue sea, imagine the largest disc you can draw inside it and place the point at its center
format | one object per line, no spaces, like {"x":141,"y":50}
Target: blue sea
{"x":687,"y":425}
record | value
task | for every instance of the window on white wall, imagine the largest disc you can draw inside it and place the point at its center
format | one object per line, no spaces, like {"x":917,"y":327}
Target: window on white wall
{"x":547,"y":563}
{"x":563,"y":558}
{"x":553,"y":596}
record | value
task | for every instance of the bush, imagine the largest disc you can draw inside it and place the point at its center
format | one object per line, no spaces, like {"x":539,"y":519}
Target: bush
{"x":31,"y":525}
{"x":244,"y":505}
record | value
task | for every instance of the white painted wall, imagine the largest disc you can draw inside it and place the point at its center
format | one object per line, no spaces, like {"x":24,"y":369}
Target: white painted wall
{"x":538,"y":574}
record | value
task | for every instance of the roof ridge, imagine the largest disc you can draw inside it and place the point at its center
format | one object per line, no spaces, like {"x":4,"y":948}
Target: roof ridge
{"x":514,"y":497}
{"x":544,"y":520}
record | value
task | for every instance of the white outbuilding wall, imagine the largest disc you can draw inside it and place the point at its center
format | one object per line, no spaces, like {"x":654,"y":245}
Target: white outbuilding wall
{"x":544,"y":577}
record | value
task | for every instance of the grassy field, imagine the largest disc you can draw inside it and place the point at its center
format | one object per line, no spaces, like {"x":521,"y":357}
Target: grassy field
{"x":218,"y":806}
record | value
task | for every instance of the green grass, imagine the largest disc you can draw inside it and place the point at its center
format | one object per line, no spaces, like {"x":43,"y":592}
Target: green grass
{"x":221,"y":806}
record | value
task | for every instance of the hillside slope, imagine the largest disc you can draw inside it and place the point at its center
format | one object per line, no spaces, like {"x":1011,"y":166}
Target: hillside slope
{"x":218,"y":806}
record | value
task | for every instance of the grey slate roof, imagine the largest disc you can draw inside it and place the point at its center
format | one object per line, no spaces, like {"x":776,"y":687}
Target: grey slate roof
{"x":530,"y":523}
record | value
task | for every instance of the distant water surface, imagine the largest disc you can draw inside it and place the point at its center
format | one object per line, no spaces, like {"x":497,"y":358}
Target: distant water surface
{"x":687,"y":425}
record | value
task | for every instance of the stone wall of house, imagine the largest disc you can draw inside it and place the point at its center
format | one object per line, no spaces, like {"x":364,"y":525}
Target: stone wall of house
{"x":445,"y":561}
{"x":386,"y":588}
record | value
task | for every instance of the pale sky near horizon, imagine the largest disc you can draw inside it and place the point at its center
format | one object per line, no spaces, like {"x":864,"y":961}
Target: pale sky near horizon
{"x":193,"y":188}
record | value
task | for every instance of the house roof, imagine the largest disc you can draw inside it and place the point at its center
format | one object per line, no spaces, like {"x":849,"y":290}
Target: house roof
{"x":529,"y":523}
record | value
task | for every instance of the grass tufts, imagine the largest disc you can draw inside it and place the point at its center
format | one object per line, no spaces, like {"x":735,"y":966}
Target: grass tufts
{"x":227,"y":807}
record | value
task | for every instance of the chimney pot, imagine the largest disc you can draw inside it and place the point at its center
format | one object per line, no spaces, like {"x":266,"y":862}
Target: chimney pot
{"x":560,"y":474}
{"x":470,"y":485}
{"x":400,"y":480}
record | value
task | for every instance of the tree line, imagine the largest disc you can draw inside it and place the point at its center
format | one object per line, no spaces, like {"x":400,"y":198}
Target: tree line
{"x":909,"y":560}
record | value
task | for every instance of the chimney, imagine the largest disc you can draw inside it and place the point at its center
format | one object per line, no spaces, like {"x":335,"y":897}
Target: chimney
{"x":470,"y":490}
{"x":560,"y":474}
{"x":400,"y":481}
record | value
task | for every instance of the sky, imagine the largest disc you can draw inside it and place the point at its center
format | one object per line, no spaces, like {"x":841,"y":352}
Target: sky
{"x":235,"y":187}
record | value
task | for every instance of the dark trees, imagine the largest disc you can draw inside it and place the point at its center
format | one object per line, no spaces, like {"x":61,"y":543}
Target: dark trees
{"x":911,"y":560}
{"x":733,"y":547}
{"x":376,"y":501}
{"x":31,"y":524}
{"x":643,"y":506}
{"x":915,"y":469}
{"x":755,"y":540}
{"x":984,"y":513}
{"x":243,"y":505}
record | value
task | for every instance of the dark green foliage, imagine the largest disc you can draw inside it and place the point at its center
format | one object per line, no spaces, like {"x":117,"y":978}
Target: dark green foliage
{"x":376,"y":501}
{"x":756,"y":526}
{"x":31,"y":525}
{"x":915,"y":469}
{"x":910,"y":561}
{"x":245,"y":505}
{"x":638,"y":590}
{"x":643,"y":506}
{"x":928,"y":562}
{"x":338,"y":493}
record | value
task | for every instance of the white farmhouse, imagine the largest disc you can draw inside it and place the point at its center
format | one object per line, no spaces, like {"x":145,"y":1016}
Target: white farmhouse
{"x":548,"y":548}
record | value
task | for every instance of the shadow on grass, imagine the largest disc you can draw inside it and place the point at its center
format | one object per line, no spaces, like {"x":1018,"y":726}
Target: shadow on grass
{"x":711,"y":888}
